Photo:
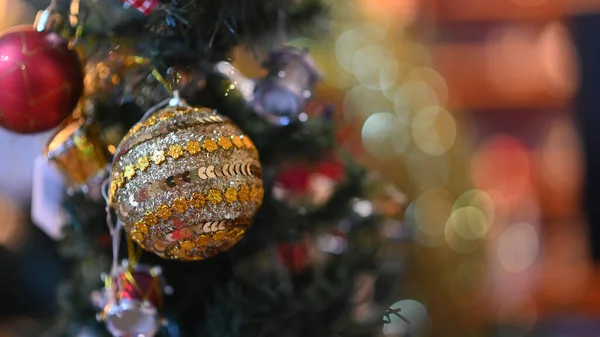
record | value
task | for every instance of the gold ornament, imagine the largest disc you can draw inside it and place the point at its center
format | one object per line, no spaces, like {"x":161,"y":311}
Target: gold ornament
{"x":186,"y":183}
{"x":78,"y":152}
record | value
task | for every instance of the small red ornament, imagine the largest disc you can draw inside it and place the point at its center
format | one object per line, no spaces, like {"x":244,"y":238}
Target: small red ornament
{"x":41,"y":80}
{"x":295,"y":255}
{"x":144,"y":6}
{"x":308,"y":185}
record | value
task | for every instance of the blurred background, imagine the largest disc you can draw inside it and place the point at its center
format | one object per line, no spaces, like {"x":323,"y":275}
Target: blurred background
{"x":482,"y":113}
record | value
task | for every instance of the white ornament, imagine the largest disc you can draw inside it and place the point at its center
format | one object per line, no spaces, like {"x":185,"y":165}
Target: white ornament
{"x":406,"y":318}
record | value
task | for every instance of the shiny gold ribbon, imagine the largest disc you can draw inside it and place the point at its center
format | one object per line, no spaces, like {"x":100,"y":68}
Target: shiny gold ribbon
{"x":134,"y":252}
{"x":145,"y":296}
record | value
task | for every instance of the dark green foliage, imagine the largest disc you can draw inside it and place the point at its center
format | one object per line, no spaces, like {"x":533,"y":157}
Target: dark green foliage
{"x":191,"y":32}
{"x":246,"y":291}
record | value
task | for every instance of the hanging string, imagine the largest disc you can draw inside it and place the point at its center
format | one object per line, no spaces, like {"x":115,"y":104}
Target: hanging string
{"x":116,"y":241}
{"x":115,"y":231}
{"x":134,"y":252}
{"x":155,"y":108}
{"x":109,"y":220}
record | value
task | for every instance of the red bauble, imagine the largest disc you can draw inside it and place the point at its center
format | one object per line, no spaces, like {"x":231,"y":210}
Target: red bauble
{"x":295,"y":255}
{"x":41,"y":80}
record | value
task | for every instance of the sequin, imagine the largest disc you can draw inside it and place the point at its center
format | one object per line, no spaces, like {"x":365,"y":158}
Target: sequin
{"x":150,"y":219}
{"x":203,"y":241}
{"x":194,"y":176}
{"x":158,"y":157}
{"x":244,"y":193}
{"x":193,"y":147}
{"x":237,"y":141}
{"x":175,"y":151}
{"x":129,"y":171}
{"x":137,"y":237}
{"x":231,"y":194}
{"x":150,"y":121}
{"x":187,"y":245}
{"x":164,"y":212}
{"x":143,"y":163}
{"x":210,"y":145}
{"x":180,"y":205}
{"x":253,"y":193}
{"x":197,"y":200}
{"x":119,"y":180}
{"x":219,"y":236}
{"x":141,"y":227}
{"x":214,"y":196}
{"x":225,"y":143}
{"x":112,"y":189}
{"x":178,"y":253}
{"x":236,"y":233}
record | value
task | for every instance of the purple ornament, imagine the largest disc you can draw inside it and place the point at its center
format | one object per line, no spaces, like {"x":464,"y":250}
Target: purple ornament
{"x":288,"y":86}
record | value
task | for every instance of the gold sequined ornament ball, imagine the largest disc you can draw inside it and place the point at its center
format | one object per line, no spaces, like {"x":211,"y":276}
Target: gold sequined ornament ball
{"x":186,"y":182}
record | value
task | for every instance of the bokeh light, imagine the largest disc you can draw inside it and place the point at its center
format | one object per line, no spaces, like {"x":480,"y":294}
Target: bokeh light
{"x":334,"y":74}
{"x":524,"y":62}
{"x":464,"y":228}
{"x":360,"y":103}
{"x":349,"y":42}
{"x":394,"y":11}
{"x":518,"y":247}
{"x":478,"y":199}
{"x":430,"y":212}
{"x":558,"y":58}
{"x":415,"y":94}
{"x":433,"y":79}
{"x":469,"y":222}
{"x":375,"y":67}
{"x":414,"y":322}
{"x":427,"y":171}
{"x":434,"y":130}
{"x":502,"y":164}
{"x":380,"y":134}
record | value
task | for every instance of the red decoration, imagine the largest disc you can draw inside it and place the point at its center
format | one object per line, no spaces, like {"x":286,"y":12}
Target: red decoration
{"x":41,"y":80}
{"x":139,"y":285}
{"x":144,"y":6}
{"x":297,"y":176}
{"x":308,"y":185}
{"x":295,"y":255}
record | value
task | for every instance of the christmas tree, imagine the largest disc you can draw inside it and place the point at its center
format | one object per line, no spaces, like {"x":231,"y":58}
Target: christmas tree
{"x":235,"y":188}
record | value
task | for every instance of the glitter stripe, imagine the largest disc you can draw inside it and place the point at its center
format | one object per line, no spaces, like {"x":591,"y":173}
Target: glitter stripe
{"x":167,"y":122}
{"x":203,"y":173}
{"x":165,"y":212}
{"x":120,"y":179}
{"x":204,"y":246}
